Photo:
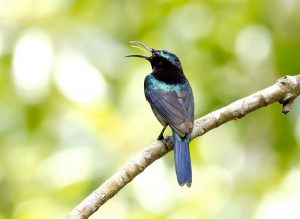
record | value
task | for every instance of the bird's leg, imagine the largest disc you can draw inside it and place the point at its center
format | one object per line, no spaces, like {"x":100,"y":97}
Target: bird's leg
{"x":161,"y":135}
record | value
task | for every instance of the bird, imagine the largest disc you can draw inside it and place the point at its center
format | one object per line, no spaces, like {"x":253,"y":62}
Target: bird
{"x":171,"y":98}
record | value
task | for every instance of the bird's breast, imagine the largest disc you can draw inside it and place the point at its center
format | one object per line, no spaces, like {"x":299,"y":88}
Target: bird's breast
{"x":152,"y":83}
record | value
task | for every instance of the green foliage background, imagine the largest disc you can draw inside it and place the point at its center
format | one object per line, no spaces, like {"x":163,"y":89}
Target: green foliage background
{"x":59,"y":141}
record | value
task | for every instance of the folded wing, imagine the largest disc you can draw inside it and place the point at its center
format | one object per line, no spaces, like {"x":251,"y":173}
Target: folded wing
{"x":176,"y":107}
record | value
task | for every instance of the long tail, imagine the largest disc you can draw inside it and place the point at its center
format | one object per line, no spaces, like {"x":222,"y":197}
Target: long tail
{"x":182,"y":159}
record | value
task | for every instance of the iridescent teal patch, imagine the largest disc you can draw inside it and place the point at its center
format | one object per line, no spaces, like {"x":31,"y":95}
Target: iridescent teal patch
{"x":153,"y":83}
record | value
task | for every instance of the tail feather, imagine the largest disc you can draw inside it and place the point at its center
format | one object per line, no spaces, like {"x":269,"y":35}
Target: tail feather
{"x":182,"y":159}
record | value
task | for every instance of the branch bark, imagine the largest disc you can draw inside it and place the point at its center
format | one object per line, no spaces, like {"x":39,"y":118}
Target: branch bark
{"x":284,"y":91}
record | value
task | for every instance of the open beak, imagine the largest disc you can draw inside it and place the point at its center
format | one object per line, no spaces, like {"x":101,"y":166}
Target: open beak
{"x":143,"y":45}
{"x":140,"y":56}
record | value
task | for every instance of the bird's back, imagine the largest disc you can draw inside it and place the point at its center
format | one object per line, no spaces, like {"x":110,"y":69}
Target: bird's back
{"x":171,"y":103}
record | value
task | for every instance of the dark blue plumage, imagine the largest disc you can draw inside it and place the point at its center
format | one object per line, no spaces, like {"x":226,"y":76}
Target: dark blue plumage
{"x":171,"y":98}
{"x":182,"y":159}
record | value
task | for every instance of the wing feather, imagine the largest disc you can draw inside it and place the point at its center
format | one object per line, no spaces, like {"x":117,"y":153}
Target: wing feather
{"x":175,"y":107}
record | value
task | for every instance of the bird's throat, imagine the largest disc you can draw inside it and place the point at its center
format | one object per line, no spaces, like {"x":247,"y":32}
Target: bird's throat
{"x":169,"y":76}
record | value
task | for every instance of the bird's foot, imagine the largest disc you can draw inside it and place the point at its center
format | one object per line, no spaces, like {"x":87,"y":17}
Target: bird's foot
{"x":160,"y":137}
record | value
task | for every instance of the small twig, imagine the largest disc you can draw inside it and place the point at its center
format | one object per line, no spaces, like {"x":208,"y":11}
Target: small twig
{"x":285,"y":91}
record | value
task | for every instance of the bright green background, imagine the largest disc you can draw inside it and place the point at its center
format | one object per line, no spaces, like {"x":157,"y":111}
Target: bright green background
{"x":72,"y":108}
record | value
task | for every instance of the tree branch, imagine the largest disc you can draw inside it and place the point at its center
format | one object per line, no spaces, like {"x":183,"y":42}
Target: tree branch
{"x":284,"y":91}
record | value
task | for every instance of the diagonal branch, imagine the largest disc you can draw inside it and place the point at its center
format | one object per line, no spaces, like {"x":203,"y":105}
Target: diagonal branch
{"x":284,"y":91}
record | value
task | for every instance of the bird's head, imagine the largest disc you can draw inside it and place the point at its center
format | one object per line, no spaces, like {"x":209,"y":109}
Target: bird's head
{"x":159,"y":59}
